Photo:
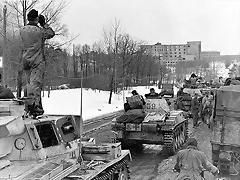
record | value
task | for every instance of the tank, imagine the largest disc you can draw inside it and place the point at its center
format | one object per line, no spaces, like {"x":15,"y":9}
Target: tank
{"x":167,"y":89}
{"x":50,"y":147}
{"x":155,"y":124}
{"x":225,"y":140}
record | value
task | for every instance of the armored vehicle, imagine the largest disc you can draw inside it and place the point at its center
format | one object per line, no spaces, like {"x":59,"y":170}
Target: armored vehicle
{"x":225,"y":138}
{"x":167,"y":89}
{"x":49,"y":147}
{"x":155,"y":124}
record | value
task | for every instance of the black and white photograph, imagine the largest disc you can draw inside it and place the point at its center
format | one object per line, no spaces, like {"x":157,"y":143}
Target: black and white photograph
{"x":119,"y":90}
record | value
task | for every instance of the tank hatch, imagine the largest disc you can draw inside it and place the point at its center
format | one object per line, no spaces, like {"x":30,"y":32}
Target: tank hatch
{"x":67,"y":128}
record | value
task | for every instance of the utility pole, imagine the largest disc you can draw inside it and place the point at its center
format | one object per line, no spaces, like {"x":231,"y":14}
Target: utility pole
{"x":4,"y":60}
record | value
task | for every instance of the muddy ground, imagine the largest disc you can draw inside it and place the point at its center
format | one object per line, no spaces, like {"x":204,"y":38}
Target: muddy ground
{"x":152,"y":163}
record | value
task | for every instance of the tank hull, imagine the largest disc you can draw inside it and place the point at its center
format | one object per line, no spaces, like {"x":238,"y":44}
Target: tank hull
{"x":50,"y":148}
{"x":172,"y":135}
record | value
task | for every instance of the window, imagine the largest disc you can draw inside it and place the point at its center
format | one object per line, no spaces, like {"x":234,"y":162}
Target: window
{"x":170,"y":56}
{"x":179,"y":52}
{"x":183,"y":58}
{"x":188,"y":45}
{"x":175,"y":56}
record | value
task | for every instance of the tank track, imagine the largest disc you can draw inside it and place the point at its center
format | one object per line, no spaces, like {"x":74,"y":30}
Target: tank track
{"x":113,"y":170}
{"x":174,"y":139}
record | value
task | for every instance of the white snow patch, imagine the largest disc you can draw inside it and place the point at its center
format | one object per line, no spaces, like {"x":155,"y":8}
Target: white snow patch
{"x":95,"y":102}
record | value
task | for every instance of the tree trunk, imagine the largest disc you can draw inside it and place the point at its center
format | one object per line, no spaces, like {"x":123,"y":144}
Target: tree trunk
{"x":86,"y":66}
{"x":94,"y":67}
{"x":49,"y":90}
{"x":20,"y":71}
{"x":111,"y":90}
{"x":65,"y":70}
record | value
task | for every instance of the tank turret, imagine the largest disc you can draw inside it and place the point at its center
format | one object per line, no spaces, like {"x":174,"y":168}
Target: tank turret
{"x":36,"y":145}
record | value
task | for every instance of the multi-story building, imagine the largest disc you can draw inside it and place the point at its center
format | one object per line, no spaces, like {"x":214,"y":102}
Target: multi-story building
{"x":208,"y":55}
{"x":173,"y":53}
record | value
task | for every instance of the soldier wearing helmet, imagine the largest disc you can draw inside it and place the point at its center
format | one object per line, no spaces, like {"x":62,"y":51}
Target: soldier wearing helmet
{"x":191,"y":163}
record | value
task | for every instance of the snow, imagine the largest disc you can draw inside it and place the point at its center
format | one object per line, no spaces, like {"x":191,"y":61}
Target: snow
{"x":95,"y":102}
{"x":220,"y":69}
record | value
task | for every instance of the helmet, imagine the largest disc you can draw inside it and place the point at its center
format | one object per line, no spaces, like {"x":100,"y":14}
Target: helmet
{"x":192,"y":142}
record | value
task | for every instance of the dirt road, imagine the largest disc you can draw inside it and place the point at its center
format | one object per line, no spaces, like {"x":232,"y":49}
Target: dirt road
{"x":152,"y":163}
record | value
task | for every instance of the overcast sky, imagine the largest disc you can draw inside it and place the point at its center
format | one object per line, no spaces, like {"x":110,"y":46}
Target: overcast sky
{"x":214,"y":22}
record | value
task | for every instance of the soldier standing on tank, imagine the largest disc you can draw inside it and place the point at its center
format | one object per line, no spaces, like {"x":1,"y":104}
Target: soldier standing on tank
{"x":191,"y":163}
{"x":34,"y":64}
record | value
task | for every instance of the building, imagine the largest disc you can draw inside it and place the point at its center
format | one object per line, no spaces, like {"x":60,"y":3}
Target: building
{"x":208,"y":55}
{"x":173,"y":53}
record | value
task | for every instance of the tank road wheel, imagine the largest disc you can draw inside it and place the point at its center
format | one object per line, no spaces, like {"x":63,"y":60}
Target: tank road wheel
{"x":176,"y":139}
{"x":118,"y":171}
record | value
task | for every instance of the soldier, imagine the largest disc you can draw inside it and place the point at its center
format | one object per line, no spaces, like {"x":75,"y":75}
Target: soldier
{"x":135,"y":93}
{"x":194,"y":109}
{"x":34,"y":65}
{"x":180,"y":92}
{"x":180,"y":105}
{"x":5,"y":92}
{"x":152,"y":93}
{"x":191,"y":163}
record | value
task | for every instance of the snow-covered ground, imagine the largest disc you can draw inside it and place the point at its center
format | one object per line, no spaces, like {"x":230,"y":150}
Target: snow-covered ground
{"x":95,"y":103}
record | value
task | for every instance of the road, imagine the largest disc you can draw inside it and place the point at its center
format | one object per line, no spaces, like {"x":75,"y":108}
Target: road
{"x":153,"y":163}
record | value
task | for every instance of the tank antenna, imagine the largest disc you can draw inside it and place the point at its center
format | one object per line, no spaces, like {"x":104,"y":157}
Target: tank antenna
{"x":80,"y":159}
{"x":81,"y":92}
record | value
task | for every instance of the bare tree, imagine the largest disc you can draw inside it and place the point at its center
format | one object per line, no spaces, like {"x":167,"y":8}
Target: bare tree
{"x":163,"y":71}
{"x":111,"y":42}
